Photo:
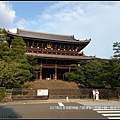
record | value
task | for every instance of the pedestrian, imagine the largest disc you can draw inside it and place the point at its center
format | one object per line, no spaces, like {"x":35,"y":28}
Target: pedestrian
{"x":93,"y":91}
{"x":97,"y":94}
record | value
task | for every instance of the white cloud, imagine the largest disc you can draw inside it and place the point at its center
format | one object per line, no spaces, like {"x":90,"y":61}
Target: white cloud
{"x":13,"y":30}
{"x":7,"y":15}
{"x":21,"y":23}
{"x":96,"y":20}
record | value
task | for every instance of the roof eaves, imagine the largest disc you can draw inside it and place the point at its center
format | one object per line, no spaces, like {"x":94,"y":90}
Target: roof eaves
{"x":61,"y":56}
{"x":22,"y":30}
{"x":79,"y":41}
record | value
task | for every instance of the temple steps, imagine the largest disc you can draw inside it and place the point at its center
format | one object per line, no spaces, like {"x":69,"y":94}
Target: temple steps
{"x":53,"y":84}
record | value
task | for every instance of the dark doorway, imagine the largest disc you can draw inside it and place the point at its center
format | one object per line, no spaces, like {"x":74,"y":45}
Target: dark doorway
{"x":60,"y":73}
{"x":48,"y":73}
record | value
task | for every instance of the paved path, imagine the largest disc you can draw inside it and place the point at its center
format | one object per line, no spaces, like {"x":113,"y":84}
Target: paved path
{"x":44,"y":108}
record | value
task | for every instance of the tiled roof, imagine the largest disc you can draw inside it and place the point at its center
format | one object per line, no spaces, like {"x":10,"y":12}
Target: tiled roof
{"x":42,"y":35}
{"x":48,"y":36}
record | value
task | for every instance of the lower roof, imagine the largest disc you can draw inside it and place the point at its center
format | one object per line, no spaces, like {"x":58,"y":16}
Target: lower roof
{"x":64,"y":57}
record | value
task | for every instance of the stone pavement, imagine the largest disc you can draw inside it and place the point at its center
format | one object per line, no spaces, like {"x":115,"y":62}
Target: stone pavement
{"x":81,"y":101}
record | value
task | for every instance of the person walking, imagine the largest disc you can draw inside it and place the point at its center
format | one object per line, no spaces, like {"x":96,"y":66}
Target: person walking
{"x":93,"y":91}
{"x":97,"y":94}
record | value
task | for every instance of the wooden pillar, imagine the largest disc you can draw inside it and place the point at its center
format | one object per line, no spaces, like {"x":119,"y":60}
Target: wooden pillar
{"x":69,"y":69}
{"x":63,"y":76}
{"x":36,"y":76}
{"x":41,"y":72}
{"x":55,"y":72}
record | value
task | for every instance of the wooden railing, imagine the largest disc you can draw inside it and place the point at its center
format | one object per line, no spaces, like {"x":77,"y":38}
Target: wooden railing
{"x":58,"y":66}
{"x":52,"y":51}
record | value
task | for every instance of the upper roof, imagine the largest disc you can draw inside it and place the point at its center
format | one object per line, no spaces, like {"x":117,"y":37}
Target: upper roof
{"x":47,"y":36}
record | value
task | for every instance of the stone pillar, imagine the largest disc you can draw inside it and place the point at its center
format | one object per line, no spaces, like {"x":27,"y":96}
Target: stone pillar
{"x":41,"y":72}
{"x":55,"y":72}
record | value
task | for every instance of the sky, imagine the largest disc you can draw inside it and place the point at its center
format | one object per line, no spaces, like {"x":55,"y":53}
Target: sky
{"x":95,"y":20}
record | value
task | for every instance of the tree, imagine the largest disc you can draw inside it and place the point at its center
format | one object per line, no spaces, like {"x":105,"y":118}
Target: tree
{"x":18,"y":50}
{"x":4,"y":44}
{"x":15,"y":66}
{"x":11,"y":75}
{"x":116,"y":48}
{"x":98,"y":73}
{"x":18,"y":54}
{"x":115,"y":72}
{"x":91,"y":74}
{"x":70,"y":76}
{"x":91,"y":70}
{"x":33,"y":68}
{"x":115,"y":63}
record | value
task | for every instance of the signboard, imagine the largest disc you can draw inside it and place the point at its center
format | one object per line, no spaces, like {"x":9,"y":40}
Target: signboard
{"x":42,"y":92}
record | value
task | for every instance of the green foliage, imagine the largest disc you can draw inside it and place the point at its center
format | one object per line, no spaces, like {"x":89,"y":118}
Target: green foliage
{"x":33,"y":68}
{"x":116,"y":48}
{"x":4,"y":44}
{"x":98,"y":73}
{"x":11,"y":75}
{"x":25,"y":86}
{"x":70,"y":75}
{"x":2,"y":93}
{"x":73,"y":65}
{"x":115,"y":72}
{"x":90,"y":72}
{"x":15,"y":66}
{"x":18,"y":50}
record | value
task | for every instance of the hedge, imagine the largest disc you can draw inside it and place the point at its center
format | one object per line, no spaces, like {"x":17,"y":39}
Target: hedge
{"x":2,"y":93}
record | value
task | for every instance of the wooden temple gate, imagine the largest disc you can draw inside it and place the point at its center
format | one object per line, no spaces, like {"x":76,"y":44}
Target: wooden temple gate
{"x":53,"y":71}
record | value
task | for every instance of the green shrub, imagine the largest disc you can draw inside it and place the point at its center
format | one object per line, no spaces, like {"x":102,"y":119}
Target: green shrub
{"x":25,"y":86}
{"x":2,"y":93}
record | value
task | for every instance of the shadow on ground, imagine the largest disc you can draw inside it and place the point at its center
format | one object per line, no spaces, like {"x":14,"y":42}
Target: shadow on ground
{"x":8,"y":113}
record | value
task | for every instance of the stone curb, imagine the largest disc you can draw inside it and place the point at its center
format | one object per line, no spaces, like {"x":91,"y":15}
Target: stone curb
{"x":54,"y":101}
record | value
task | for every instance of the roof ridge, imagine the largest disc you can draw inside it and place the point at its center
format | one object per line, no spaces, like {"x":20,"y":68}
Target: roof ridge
{"x":44,"y":33}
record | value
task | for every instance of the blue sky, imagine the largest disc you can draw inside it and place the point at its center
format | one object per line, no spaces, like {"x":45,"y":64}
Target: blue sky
{"x":99,"y":21}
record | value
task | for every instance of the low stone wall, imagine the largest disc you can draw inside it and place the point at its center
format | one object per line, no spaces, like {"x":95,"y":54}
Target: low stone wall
{"x":17,"y":94}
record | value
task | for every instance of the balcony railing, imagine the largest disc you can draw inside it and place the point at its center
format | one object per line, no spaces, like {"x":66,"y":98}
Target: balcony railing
{"x":57,"y":66}
{"x":52,"y":51}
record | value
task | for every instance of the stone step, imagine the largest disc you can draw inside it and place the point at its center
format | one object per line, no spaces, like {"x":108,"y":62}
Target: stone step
{"x":56,"y":84}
